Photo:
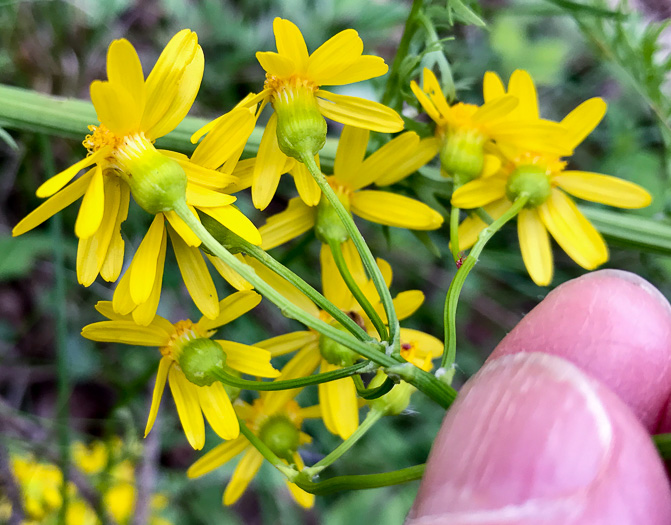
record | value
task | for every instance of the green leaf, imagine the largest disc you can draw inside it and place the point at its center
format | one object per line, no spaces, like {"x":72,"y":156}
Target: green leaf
{"x":465,"y":14}
{"x":18,"y":255}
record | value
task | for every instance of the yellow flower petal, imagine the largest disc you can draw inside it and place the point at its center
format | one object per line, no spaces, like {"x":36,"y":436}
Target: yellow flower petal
{"x":572,"y":231}
{"x":301,"y":365}
{"x":350,"y":154}
{"x":217,"y":457}
{"x":186,"y":399}
{"x":196,"y":276}
{"x":303,"y":498}
{"x":426,"y":103}
{"x":363,"y":68}
{"x":491,"y":167}
{"x":425,"y":344}
{"x":313,"y":412}
{"x":159,"y":386}
{"x":190,"y":238}
{"x":55,"y":204}
{"x":235,"y":221}
{"x":202,"y":197}
{"x":535,"y":247}
{"x":268,"y":166}
{"x":604,"y":189}
{"x":218,"y":410}
{"x":111,"y":268}
{"x":55,"y":183}
{"x":145,"y":312}
{"x":479,"y":192}
{"x":399,"y":160}
{"x":116,"y":108}
{"x":334,"y":56}
{"x":93,"y":207}
{"x":248,"y":359}
{"x":121,"y":300}
{"x":125,"y":69}
{"x":471,"y":227}
{"x":333,"y":285}
{"x":388,"y":208}
{"x":105,"y":308}
{"x":290,"y":42}
{"x":225,"y":139}
{"x":229,"y":274}
{"x":406,"y":303}
{"x":522,"y":86}
{"x":276,"y":64}
{"x":286,"y":343}
{"x":230,"y":308}
{"x":340,"y":408}
{"x":196,"y":174}
{"x":288,"y":224}
{"x":246,"y":469}
{"x":495,"y":110}
{"x":306,"y":185}
{"x":143,"y":268}
{"x":126,"y":332}
{"x":492,"y":87}
{"x":431,"y":87}
{"x":359,"y":112}
{"x":582,"y":120}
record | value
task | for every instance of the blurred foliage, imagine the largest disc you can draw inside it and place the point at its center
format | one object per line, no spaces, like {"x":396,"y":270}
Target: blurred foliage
{"x":573,"y":50}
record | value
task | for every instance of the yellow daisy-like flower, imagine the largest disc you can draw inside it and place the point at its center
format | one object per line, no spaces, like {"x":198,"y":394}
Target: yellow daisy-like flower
{"x":133,"y":112}
{"x":351,"y":173}
{"x":546,"y":180}
{"x":192,"y":400}
{"x":40,"y":485}
{"x":293,"y":87}
{"x":467,"y":132}
{"x":338,"y":399}
{"x":276,"y":419}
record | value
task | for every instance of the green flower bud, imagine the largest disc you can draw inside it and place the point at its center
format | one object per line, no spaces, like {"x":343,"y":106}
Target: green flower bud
{"x":281,"y":436}
{"x":328,"y":226}
{"x":334,"y":352}
{"x":462,"y":154}
{"x":199,"y":359}
{"x":393,"y":402}
{"x":301,"y":128}
{"x":531,"y":180}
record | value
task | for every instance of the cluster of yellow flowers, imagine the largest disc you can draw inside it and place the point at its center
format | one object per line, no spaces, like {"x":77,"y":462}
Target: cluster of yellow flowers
{"x":495,"y":154}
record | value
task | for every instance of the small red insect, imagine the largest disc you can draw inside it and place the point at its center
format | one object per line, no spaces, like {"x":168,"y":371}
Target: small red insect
{"x":460,"y":261}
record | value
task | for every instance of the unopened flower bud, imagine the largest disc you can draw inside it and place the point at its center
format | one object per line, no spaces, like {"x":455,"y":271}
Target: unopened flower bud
{"x":335,"y":353}
{"x":281,"y":436}
{"x":393,"y":402}
{"x":532,"y":181}
{"x":200,"y":359}
{"x":328,"y":226}
{"x":462,"y":155}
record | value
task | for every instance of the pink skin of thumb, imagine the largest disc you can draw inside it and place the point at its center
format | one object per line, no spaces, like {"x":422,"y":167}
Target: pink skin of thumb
{"x":533,"y":440}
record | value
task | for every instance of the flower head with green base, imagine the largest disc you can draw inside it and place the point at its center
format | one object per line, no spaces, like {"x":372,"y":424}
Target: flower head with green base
{"x":545,"y":179}
{"x":293,"y":87}
{"x":351,"y":174}
{"x":188,"y":353}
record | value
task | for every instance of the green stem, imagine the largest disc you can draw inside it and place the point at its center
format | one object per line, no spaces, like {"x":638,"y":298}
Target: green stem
{"x":288,"y":384}
{"x":336,"y":250}
{"x":663,"y":444}
{"x":265,"y":451}
{"x":63,"y":395}
{"x":363,"y":481}
{"x":452,"y":298}
{"x":374,"y":392}
{"x":454,"y":232}
{"x":373,"y":417}
{"x":361,"y":246}
{"x":317,"y":298}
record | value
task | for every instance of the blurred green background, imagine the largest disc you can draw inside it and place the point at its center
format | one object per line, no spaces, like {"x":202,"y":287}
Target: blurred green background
{"x":59,"y":48}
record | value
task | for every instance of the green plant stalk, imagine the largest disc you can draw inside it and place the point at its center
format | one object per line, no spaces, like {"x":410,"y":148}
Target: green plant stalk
{"x":312,"y":294}
{"x":363,"y":481}
{"x":336,"y":250}
{"x":372,"y":417}
{"x":374,"y":392}
{"x":454,"y":232}
{"x":452,"y":298}
{"x":361,"y":246}
{"x":289,"y":384}
{"x":279,"y":464}
{"x":64,"y":388}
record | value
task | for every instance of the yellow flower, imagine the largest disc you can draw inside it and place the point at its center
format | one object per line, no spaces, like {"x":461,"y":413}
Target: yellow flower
{"x":174,"y":341}
{"x":467,"y":132}
{"x":293,"y":88}
{"x":133,"y":113}
{"x":41,"y":485}
{"x":545,"y":178}
{"x":351,"y":173}
{"x":276,"y":419}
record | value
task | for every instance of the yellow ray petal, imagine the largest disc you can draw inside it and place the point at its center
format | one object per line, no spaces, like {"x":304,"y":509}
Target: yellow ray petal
{"x":340,"y":408}
{"x":535,"y":247}
{"x":229,"y":274}
{"x":217,"y":457}
{"x":431,"y":87}
{"x":55,"y":204}
{"x":495,"y":109}
{"x":286,"y":343}
{"x":236,"y":221}
{"x":246,"y":469}
{"x":388,"y":208}
{"x":479,"y":192}
{"x":230,"y":308}
{"x":248,"y":359}
{"x":125,"y":69}
{"x":226,"y":138}
{"x":111,"y":268}
{"x":159,"y":386}
{"x":572,"y":231}
{"x":406,"y":303}
{"x":425,"y":344}
{"x":55,"y":183}
{"x":334,"y":56}
{"x":196,"y":276}
{"x":105,"y":308}
{"x":333,"y":285}
{"x":350,"y":154}
{"x":121,"y":300}
{"x":604,"y":189}
{"x":93,"y":207}
{"x":363,"y":68}
{"x":218,"y":410}
{"x":471,"y":227}
{"x":116,"y":108}
{"x":288,"y":224}
{"x":303,"y":498}
{"x":492,"y":87}
{"x":268,"y":166}
{"x":290,"y":42}
{"x":426,"y":103}
{"x":522,"y":86}
{"x":275,"y":64}
{"x":202,"y":197}
{"x":301,"y":365}
{"x":491,"y":167}
{"x":126,"y":332}
{"x":196,"y":174}
{"x":145,"y":312}
{"x":359,"y":112}
{"x":307,"y":188}
{"x":400,"y":161}
{"x":185,"y":395}
{"x":582,"y":120}
{"x":143,"y":268}
{"x":312,"y":412}
{"x":190,"y":238}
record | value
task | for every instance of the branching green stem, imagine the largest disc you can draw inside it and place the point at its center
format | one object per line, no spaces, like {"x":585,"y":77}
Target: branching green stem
{"x":373,"y":392}
{"x":363,"y":481}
